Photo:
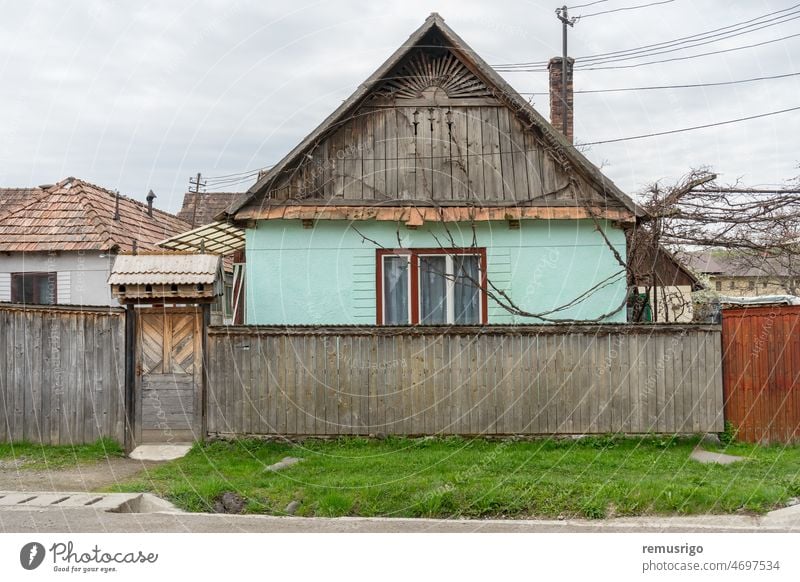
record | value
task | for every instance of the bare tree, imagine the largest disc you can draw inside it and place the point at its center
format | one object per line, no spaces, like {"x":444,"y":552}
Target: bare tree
{"x":761,"y":228}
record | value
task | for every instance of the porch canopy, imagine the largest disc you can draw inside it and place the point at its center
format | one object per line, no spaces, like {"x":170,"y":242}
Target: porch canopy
{"x":166,"y":278}
{"x":219,"y":238}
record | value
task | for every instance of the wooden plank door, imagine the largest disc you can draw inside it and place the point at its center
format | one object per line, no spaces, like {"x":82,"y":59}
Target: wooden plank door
{"x":169,"y":375}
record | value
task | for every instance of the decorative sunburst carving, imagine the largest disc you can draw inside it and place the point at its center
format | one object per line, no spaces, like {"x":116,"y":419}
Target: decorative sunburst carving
{"x":421,"y":70}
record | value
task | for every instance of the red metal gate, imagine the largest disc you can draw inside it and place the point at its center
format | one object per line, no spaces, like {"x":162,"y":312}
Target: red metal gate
{"x":761,"y":372}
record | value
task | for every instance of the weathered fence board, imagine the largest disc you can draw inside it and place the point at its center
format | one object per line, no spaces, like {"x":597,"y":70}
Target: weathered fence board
{"x":761,"y":355}
{"x":476,"y":381}
{"x":62,"y":375}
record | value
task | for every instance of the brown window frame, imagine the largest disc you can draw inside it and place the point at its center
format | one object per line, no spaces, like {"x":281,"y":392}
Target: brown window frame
{"x":414,"y":298}
{"x":34,"y":274}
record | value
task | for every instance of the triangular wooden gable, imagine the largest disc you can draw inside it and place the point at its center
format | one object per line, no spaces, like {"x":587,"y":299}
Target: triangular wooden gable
{"x":435,"y":125}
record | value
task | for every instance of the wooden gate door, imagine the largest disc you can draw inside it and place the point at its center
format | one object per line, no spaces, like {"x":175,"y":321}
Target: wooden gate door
{"x":169,"y":400}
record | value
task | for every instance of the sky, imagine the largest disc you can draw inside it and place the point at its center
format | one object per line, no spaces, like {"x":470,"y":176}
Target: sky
{"x":140,"y":96}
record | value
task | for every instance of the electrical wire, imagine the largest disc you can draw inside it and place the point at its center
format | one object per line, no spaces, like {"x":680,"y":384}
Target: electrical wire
{"x":683,"y":86}
{"x":625,"y":8}
{"x":670,"y":60}
{"x":688,"y":57}
{"x":725,"y":31}
{"x":586,"y":5}
{"x":786,"y":18}
{"x":707,"y":125}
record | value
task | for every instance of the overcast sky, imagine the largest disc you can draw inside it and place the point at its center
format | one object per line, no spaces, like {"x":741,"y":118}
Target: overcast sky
{"x":140,"y":96}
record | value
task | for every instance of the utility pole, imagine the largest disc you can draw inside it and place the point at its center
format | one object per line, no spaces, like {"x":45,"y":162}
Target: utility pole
{"x":563,"y":16}
{"x":197,"y":183}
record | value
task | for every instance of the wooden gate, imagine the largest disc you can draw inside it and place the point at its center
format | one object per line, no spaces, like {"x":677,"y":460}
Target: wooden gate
{"x":761,"y":379}
{"x":168,"y":390}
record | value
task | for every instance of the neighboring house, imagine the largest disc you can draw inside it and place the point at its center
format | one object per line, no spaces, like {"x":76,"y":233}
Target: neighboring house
{"x":432,"y":195}
{"x":668,"y":285}
{"x":733,"y":277}
{"x":199,"y":210}
{"x":57,"y":243}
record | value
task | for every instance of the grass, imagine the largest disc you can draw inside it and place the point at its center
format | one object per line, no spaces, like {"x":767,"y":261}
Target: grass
{"x":593,"y":477}
{"x":44,"y":457}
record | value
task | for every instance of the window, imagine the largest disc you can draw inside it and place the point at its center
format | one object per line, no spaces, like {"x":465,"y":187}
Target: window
{"x":718,"y":285}
{"x":228,"y":300}
{"x":33,"y":288}
{"x":732,"y":284}
{"x":751,"y":285}
{"x":431,"y":286}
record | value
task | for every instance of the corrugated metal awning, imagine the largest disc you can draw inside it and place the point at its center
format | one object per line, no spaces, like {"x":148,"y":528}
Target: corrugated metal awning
{"x":165,"y":269}
{"x":220,"y":238}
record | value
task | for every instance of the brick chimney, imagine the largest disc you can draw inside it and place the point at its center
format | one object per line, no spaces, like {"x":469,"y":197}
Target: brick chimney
{"x":556,"y":104}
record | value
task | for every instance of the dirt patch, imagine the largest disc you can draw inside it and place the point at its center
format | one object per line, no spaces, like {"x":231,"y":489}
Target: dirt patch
{"x":229,"y":502}
{"x":87,"y":477}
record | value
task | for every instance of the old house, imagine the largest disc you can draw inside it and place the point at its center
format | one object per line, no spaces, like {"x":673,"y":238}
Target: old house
{"x":57,"y":243}
{"x":743,"y":276}
{"x":435,"y":194}
{"x":662,"y":285}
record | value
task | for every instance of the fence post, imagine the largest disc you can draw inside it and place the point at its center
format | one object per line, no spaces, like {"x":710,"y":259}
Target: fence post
{"x":130,"y":375}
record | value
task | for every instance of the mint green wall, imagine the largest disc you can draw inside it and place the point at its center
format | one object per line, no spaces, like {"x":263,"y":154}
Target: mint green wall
{"x":326,"y":274}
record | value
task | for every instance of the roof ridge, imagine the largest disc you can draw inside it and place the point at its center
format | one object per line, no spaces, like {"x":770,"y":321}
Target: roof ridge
{"x":114,"y":193}
{"x":94,"y":217}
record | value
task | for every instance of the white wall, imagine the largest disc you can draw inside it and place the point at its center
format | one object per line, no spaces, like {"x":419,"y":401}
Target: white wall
{"x":81,"y":280}
{"x":674,"y":303}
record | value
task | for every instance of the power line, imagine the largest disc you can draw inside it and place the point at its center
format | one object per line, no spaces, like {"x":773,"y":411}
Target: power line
{"x":235,"y":178}
{"x":670,"y":60}
{"x":719,"y":38}
{"x":736,"y":27}
{"x":688,"y":57}
{"x":786,"y":18}
{"x":235,"y":174}
{"x":625,"y":8}
{"x":741,"y":27}
{"x":689,"y":38}
{"x":586,"y":5}
{"x":729,"y":121}
{"x":683,"y":86}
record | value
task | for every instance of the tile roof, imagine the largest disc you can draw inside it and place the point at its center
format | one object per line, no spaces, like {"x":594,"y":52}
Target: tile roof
{"x":75,"y":215}
{"x":10,"y":198}
{"x":164,"y":269}
{"x":200,"y":208}
{"x":727,"y":265}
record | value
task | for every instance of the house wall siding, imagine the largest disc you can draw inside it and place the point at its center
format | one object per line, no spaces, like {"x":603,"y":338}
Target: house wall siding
{"x":326,"y":275}
{"x":87,"y":273}
{"x":5,"y":286}
{"x":435,"y":152}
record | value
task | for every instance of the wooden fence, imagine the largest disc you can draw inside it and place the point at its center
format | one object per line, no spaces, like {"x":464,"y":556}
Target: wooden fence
{"x":62,"y":378}
{"x":762,"y":372}
{"x":471,"y":381}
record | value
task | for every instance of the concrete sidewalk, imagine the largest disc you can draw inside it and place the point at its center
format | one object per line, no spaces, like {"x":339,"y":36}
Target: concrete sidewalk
{"x":85,"y":519}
